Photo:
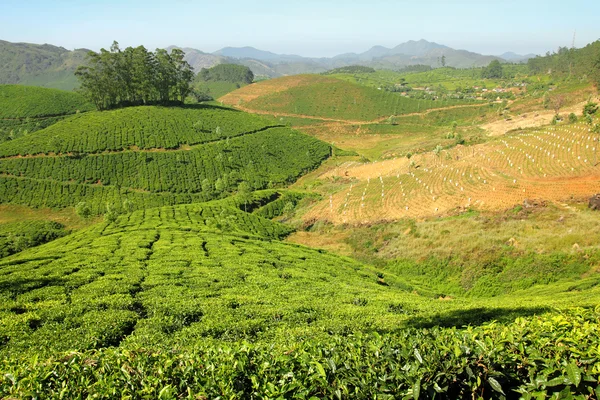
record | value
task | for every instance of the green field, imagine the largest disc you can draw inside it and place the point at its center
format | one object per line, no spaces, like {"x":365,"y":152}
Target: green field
{"x":207,"y":287}
{"x":152,"y":156}
{"x":335,"y":98}
{"x":18,"y":101}
{"x":25,"y":109}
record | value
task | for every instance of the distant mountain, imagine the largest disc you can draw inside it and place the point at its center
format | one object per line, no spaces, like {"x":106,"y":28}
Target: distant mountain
{"x":52,"y":66}
{"x":513,"y":57}
{"x":199,"y":59}
{"x":39,"y":65}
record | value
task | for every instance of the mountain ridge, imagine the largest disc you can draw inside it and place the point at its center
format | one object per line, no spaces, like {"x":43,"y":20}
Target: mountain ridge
{"x":53,"y":66}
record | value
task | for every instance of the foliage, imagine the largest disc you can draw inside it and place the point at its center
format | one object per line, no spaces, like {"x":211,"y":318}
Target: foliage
{"x":334,"y":98}
{"x":183,"y":171}
{"x":493,"y":70}
{"x":572,"y":118}
{"x":590,"y":108}
{"x":232,"y":73}
{"x":18,"y":236}
{"x":83,"y":210}
{"x":134,"y":76}
{"x":566,"y":62}
{"x":351,"y":69}
{"x":492,"y":361}
{"x":99,"y":158}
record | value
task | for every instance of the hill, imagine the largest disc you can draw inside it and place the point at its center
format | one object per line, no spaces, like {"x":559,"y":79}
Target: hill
{"x":326,"y":97}
{"x":221,"y":79}
{"x":39,"y":65}
{"x":152,"y":156}
{"x":169,"y":293}
{"x":25,"y":109}
{"x":199,"y":59}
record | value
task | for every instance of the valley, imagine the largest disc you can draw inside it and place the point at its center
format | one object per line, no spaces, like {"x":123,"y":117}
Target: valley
{"x":359,"y":233}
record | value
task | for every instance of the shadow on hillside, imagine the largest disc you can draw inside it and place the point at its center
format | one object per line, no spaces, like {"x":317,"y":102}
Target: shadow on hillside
{"x":474,"y":316}
{"x":16,"y":287}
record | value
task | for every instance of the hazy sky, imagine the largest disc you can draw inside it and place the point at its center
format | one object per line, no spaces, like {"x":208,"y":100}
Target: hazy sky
{"x":307,"y":27}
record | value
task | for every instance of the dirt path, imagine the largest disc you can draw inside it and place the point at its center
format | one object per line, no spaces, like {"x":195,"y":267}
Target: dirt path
{"x":351,"y":122}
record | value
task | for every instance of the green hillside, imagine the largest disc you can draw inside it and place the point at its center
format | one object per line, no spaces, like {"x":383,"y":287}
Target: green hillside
{"x":335,"y":98}
{"x":152,"y":156}
{"x":221,"y":79}
{"x":39,"y":65}
{"x":26,"y":109}
{"x":202,"y":300}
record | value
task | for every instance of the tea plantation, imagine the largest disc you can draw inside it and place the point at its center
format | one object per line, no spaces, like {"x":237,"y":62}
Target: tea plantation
{"x":25,"y":109}
{"x":152,"y":156}
{"x":204,"y":301}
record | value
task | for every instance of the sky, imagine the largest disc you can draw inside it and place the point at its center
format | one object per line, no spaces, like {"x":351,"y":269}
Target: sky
{"x":315,"y":28}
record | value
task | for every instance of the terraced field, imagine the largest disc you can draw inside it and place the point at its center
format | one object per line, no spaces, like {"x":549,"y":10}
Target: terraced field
{"x":152,"y":156}
{"x":554,"y":163}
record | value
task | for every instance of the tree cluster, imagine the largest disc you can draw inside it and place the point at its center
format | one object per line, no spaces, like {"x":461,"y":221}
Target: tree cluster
{"x":135,"y":76}
{"x":584,"y":62}
{"x":227,"y":73}
{"x":493,"y":70}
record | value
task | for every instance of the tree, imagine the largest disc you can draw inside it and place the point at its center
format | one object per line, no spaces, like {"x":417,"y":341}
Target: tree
{"x":224,"y":222}
{"x":437,"y":151}
{"x":590,"y":108}
{"x":557,"y":103}
{"x":219,"y":186}
{"x":83,"y":210}
{"x":443,"y":61}
{"x":244,"y":194}
{"x":206,"y":186}
{"x":493,"y":70}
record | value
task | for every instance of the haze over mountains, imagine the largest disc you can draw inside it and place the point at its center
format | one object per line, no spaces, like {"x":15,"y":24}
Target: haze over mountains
{"x":53,"y":66}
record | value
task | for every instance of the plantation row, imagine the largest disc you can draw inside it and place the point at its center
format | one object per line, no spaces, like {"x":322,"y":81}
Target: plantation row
{"x":150,"y":280}
{"x":210,"y":216}
{"x":45,"y":193}
{"x":196,"y":282}
{"x":552,"y":163}
{"x":142,"y":127}
{"x":335,"y":98}
{"x":276,"y":155}
{"x":19,"y":102}
{"x":518,"y":360}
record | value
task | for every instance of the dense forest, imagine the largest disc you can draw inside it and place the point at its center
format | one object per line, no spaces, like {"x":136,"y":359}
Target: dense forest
{"x":566,"y":62}
{"x":135,"y":76}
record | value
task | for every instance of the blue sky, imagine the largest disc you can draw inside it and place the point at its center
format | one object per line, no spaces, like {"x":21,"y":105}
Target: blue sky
{"x":307,"y":27}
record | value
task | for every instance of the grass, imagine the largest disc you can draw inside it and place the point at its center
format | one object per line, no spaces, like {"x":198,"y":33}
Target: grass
{"x":480,"y":253}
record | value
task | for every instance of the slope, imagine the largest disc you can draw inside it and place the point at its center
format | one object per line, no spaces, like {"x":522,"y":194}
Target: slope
{"x":39,"y":65}
{"x":152,"y":156}
{"x":326,"y":97}
{"x":26,"y":109}
{"x":163,"y":302}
